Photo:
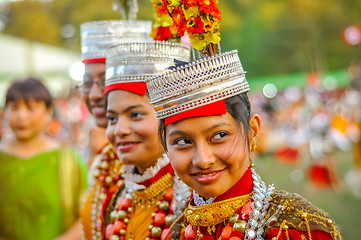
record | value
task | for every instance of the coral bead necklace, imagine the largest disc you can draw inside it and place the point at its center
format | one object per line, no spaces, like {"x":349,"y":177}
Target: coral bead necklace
{"x":159,"y":196}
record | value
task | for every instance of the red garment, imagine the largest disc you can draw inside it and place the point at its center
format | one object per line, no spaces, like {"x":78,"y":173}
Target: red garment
{"x":166,"y":169}
{"x":296,"y":235}
{"x":320,"y":176}
{"x":243,"y":187}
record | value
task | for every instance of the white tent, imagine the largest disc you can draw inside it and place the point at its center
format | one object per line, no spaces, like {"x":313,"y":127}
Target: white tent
{"x":21,"y":58}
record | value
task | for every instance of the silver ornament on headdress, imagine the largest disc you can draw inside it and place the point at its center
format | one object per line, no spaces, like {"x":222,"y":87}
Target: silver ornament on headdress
{"x":127,"y":8}
{"x":98,"y":36}
{"x":197,"y":84}
{"x":137,"y":61}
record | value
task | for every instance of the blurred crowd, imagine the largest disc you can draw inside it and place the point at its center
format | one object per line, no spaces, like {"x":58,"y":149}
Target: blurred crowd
{"x":309,"y":125}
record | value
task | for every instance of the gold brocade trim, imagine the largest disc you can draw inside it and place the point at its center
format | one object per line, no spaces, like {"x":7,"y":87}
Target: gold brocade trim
{"x":151,"y":195}
{"x":212,"y":214}
{"x":299,"y":214}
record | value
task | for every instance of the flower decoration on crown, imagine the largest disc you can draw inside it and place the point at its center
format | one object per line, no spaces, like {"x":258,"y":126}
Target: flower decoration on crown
{"x":199,"y":18}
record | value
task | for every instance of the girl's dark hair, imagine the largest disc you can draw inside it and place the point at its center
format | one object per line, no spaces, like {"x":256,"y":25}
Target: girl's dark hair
{"x":26,"y":89}
{"x":238,"y":106}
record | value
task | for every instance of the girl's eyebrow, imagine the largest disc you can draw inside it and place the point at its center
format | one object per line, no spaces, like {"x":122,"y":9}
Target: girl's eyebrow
{"x":125,"y":110}
{"x":180,"y":132}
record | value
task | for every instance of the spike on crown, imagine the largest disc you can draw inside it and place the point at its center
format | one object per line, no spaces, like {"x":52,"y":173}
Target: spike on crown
{"x":197,"y":84}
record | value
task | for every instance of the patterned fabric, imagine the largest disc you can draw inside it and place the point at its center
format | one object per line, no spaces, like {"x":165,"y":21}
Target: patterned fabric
{"x":289,"y":217}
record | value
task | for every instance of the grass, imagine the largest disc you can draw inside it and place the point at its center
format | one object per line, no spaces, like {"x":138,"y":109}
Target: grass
{"x":343,"y":206}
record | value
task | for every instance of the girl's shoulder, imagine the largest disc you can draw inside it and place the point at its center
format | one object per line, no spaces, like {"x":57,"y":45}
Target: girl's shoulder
{"x":292,"y":211}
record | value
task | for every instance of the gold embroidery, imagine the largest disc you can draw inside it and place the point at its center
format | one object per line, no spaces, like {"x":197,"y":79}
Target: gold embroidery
{"x":299,"y":214}
{"x":151,"y":195}
{"x":212,"y":214}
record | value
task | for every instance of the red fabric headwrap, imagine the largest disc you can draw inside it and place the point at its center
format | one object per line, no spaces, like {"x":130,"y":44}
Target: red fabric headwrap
{"x":216,"y":108}
{"x":94,"y":60}
{"x":135,"y":87}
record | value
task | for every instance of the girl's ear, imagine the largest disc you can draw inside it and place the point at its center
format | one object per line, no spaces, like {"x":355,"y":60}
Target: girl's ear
{"x":255,"y":123}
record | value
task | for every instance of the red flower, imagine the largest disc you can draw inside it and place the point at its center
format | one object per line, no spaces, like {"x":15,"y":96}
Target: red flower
{"x":179,"y":21}
{"x":197,"y":27}
{"x":162,"y":9}
{"x":163,"y":33}
{"x":211,"y":9}
{"x":190,"y":3}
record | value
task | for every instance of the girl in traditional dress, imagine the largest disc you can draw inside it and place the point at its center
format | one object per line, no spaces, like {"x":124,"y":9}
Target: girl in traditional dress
{"x":41,"y":181}
{"x":104,"y":165}
{"x":209,"y":132}
{"x":152,"y":196}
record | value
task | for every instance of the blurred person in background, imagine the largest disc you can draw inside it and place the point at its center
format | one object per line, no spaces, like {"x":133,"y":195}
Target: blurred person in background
{"x":41,"y":181}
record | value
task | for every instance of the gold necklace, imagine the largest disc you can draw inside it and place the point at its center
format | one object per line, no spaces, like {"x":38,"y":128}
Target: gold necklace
{"x":151,"y":195}
{"x":212,"y":214}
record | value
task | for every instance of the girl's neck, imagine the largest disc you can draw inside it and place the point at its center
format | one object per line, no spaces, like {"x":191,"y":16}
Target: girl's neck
{"x":152,"y":162}
{"x":29,"y":148}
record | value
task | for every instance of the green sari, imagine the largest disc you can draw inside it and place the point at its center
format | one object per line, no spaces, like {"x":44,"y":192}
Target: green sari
{"x":40,"y":195}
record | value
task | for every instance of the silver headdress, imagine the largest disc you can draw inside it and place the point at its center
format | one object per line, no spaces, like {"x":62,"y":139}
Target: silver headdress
{"x":98,"y":36}
{"x":137,"y":61}
{"x":197,"y":84}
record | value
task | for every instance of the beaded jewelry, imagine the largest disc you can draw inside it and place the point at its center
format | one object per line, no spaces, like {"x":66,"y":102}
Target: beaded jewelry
{"x":167,"y":196}
{"x":107,"y":176}
{"x":245,"y":218}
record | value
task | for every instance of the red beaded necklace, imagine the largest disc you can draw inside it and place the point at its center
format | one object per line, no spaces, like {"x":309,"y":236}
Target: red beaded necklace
{"x":107,"y":173}
{"x":158,"y":195}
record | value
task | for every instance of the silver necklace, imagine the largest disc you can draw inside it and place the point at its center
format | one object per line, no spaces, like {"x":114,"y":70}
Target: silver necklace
{"x":261,"y":197}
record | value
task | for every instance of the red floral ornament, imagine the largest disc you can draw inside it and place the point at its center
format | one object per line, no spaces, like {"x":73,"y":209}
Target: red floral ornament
{"x":196,"y":26}
{"x":199,"y":18}
{"x":163,"y":33}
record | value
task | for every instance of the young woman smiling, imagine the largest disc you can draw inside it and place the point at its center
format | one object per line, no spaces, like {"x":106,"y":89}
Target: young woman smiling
{"x":210,"y":135}
{"x":152,"y":197}
{"x":104,"y":165}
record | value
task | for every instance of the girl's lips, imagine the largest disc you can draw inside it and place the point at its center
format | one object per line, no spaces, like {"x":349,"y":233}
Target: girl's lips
{"x":208,"y":177}
{"x":98,"y":111}
{"x":126,"y":146}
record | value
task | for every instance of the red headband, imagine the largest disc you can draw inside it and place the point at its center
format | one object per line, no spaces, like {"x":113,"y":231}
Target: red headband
{"x":135,"y":87}
{"x":216,"y":108}
{"x":94,"y":60}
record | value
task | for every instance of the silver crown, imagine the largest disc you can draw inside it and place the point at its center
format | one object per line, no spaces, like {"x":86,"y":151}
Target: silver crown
{"x":197,"y":84}
{"x":137,"y":61}
{"x":98,"y":36}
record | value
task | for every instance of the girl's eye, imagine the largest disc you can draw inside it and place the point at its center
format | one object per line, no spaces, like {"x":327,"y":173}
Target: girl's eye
{"x":182,"y":141}
{"x":219,"y":135}
{"x":111,"y":119}
{"x":136,"y":115}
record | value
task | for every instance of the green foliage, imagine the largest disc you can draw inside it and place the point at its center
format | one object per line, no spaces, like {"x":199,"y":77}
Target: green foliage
{"x":272,"y":36}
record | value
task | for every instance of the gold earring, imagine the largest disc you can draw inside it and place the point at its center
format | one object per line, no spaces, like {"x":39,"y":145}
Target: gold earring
{"x":254,"y":147}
